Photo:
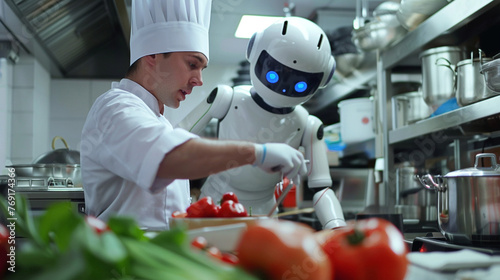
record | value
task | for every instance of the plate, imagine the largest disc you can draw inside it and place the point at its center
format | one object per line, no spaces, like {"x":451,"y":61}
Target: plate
{"x":194,"y":223}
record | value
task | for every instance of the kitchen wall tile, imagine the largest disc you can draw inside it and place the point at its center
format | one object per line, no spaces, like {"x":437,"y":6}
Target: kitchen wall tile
{"x":69,"y":98}
{"x":22,"y":100}
{"x":42,"y":78}
{"x":22,"y":123}
{"x":5,"y":113}
{"x":22,"y":151}
{"x":79,"y":95}
{"x":30,"y":113}
{"x":24,"y":73}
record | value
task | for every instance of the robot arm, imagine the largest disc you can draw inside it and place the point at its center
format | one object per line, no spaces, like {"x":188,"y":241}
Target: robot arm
{"x":215,"y":106}
{"x":326,"y":204}
{"x":315,"y":152}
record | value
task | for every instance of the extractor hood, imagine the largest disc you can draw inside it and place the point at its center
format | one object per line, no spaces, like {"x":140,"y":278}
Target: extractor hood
{"x":81,"y":39}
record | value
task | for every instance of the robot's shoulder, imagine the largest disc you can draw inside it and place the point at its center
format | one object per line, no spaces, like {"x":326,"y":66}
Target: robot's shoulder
{"x":242,"y":89}
{"x":301,"y":111}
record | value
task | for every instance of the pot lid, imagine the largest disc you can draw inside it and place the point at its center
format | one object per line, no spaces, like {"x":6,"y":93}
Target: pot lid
{"x":64,"y":156}
{"x":477,"y":171}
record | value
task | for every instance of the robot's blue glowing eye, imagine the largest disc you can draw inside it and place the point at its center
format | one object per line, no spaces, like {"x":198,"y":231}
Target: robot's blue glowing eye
{"x":300,"y":86}
{"x":272,"y":77}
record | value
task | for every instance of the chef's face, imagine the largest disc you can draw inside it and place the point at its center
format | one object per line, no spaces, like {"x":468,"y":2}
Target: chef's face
{"x":178,"y":73}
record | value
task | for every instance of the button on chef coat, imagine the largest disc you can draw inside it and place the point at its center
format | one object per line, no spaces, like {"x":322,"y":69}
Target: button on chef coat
{"x":124,"y":139}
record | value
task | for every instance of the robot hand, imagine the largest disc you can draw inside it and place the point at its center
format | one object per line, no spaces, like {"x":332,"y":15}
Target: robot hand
{"x":274,"y":157}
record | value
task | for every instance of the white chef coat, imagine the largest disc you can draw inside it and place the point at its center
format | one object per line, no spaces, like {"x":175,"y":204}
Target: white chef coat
{"x":124,"y":139}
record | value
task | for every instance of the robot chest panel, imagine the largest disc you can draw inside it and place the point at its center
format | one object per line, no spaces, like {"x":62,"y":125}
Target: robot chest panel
{"x":247,"y":121}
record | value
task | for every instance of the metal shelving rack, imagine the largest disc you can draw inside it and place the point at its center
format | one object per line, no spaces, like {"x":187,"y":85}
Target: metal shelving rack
{"x":451,"y":25}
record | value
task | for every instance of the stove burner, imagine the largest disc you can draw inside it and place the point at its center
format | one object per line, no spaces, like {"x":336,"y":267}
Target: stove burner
{"x":432,"y":244}
{"x":42,"y":183}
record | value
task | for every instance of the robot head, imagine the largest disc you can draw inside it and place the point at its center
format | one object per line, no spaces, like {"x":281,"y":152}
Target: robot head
{"x":289,"y":61}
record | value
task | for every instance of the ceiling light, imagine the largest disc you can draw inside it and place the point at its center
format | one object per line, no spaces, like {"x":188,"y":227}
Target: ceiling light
{"x":250,"y":24}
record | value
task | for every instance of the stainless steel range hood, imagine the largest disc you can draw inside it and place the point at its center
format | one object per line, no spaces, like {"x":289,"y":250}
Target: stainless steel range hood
{"x":82,"y":39}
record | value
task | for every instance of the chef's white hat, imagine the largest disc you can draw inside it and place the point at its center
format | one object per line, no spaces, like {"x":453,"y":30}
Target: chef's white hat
{"x":161,"y":26}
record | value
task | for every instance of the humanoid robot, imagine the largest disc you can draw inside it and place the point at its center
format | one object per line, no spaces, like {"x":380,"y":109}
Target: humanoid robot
{"x":289,"y":61}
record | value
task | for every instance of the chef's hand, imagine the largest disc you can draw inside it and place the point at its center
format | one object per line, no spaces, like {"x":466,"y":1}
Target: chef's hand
{"x":276,"y":157}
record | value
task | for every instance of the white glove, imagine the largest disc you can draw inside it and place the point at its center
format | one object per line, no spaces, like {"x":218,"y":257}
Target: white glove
{"x":275,"y":157}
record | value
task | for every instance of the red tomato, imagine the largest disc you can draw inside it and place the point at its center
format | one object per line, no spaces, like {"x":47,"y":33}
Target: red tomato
{"x":4,"y":234}
{"x":4,"y":249}
{"x":230,"y":209}
{"x":96,"y":224}
{"x":179,"y":214}
{"x":205,"y":207}
{"x":229,"y":196}
{"x":367,"y":249}
{"x":280,"y":249}
{"x":199,"y":242}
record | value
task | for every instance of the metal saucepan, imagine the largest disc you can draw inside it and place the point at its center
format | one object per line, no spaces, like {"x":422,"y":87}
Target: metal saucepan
{"x":438,"y":82}
{"x":471,"y":86}
{"x":469,"y":203}
{"x":469,"y":83}
{"x":408,"y":108}
{"x":413,"y":200}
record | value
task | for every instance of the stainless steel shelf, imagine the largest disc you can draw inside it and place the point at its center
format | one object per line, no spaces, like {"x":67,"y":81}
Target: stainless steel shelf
{"x":464,"y":115}
{"x":445,"y":21}
{"x":366,"y":147}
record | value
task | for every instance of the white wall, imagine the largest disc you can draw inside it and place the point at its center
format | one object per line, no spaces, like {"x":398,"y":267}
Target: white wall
{"x":71,"y":100}
{"x":30,"y":111}
{"x":5,"y":110}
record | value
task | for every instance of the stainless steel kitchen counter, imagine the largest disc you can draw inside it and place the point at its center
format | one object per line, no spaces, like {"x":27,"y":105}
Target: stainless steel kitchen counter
{"x":54,"y":193}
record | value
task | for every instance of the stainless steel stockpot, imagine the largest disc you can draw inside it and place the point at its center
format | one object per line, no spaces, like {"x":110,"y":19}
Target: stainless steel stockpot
{"x":438,"y":81}
{"x":409,"y":108}
{"x":469,"y":203}
{"x":470,"y":83}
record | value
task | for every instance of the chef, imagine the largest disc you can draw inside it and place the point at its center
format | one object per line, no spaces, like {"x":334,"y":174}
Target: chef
{"x":134,"y":162}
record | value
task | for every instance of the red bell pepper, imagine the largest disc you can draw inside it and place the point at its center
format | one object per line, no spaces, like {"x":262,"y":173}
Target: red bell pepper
{"x":229,"y":196}
{"x":231,"y":209}
{"x":205,"y":207}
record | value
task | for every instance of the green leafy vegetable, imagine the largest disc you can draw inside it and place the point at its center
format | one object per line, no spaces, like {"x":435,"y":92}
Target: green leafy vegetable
{"x":61,"y":245}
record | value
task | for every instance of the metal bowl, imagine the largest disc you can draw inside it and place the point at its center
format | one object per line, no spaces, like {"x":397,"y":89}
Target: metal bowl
{"x":412,"y":13}
{"x":387,"y":7}
{"x":348,"y":62}
{"x":378,"y":34}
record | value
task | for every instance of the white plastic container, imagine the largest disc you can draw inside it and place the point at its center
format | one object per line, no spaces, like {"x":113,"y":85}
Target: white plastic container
{"x":356,"y":119}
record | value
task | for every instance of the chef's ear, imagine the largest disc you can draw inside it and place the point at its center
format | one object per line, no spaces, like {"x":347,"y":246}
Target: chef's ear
{"x":250,"y":46}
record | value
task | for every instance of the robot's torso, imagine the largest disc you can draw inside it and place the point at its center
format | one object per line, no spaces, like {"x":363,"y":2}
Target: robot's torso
{"x":247,"y":120}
